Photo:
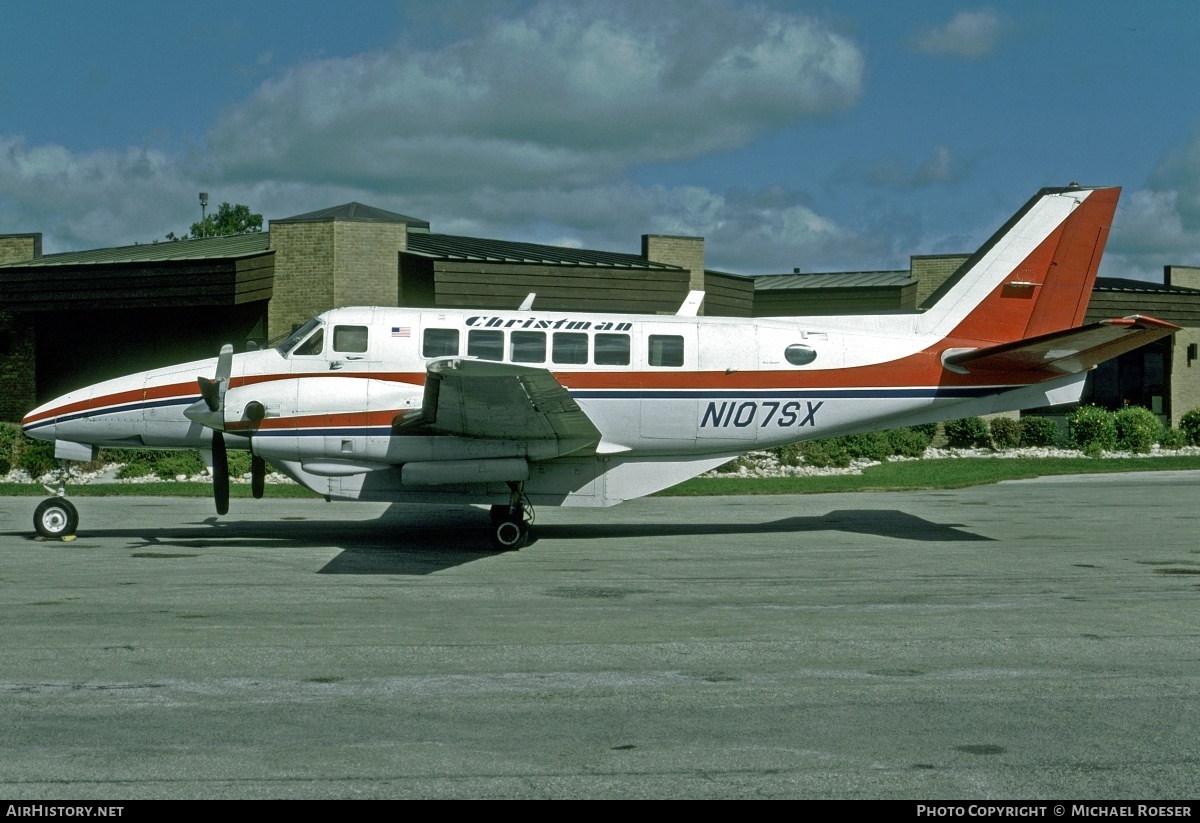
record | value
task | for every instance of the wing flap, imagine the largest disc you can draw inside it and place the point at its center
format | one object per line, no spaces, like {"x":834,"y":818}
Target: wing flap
{"x":1066,"y":352}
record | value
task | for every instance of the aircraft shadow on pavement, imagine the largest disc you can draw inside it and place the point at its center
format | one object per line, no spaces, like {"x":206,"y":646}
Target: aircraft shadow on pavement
{"x":407,"y":540}
{"x":404,"y":540}
{"x":878,"y":522}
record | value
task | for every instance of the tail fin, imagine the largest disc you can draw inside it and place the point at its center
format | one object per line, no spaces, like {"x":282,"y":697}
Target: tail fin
{"x":1034,"y":276}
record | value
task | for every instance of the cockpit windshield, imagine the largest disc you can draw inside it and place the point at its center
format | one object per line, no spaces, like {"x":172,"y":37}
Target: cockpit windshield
{"x":297,"y":336}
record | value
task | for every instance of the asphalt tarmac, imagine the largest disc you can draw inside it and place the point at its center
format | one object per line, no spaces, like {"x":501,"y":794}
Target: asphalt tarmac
{"x":1028,"y":640}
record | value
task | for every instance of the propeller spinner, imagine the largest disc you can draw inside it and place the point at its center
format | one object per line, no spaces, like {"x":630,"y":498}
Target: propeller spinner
{"x":209,"y":411}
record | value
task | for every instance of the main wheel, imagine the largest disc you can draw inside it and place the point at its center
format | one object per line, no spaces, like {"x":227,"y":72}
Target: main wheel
{"x":508,"y":535}
{"x":55,"y":517}
{"x":501,"y":513}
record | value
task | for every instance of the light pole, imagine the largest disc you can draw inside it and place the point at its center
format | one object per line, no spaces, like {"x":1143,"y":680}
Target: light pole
{"x":203,"y":206}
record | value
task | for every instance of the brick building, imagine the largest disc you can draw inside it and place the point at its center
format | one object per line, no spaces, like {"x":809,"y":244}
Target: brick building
{"x":70,"y":319}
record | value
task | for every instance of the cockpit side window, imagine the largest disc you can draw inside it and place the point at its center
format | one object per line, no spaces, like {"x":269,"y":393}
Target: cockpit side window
{"x":313,"y":345}
{"x":296,"y":336}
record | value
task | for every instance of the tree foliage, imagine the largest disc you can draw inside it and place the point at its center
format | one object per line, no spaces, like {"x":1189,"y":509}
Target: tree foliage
{"x":227,"y":219}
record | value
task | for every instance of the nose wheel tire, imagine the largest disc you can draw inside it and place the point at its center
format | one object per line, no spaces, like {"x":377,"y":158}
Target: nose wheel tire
{"x":55,"y":517}
{"x":509,"y":535}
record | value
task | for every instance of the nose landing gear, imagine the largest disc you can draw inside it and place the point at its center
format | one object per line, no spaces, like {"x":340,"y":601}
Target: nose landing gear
{"x":56,"y":518}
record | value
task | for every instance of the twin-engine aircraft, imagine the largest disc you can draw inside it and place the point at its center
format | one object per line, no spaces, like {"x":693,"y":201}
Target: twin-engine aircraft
{"x":519,"y":408}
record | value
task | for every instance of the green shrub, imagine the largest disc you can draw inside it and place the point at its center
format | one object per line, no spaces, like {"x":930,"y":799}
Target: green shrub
{"x":1038,"y":431}
{"x":825,"y":453}
{"x":172,"y":464}
{"x":1137,"y":429}
{"x":868,"y":446}
{"x":789,"y":455}
{"x":9,"y":437}
{"x":967,"y":433}
{"x":135,"y":468}
{"x":36,"y":456}
{"x":1172,"y":439}
{"x":239,"y":463}
{"x":165,"y":464}
{"x":1006,"y":432}
{"x":909,"y":441}
{"x":1190,"y":425}
{"x":929,"y":430}
{"x":1089,"y":426}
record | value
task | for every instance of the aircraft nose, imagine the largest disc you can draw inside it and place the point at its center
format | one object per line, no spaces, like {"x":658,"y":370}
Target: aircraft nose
{"x":41,"y":423}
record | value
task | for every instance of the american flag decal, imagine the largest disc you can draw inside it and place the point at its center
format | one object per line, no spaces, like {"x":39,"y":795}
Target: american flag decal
{"x":401,"y":331}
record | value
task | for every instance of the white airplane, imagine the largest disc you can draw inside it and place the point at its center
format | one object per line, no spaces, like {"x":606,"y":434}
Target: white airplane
{"x":519,"y":408}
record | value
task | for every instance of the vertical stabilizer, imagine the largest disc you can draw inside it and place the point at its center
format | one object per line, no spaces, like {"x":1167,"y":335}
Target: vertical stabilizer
{"x":1034,"y":276}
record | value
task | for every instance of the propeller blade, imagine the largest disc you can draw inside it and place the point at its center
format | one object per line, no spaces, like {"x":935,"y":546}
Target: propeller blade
{"x":225,"y":364}
{"x":258,"y":476}
{"x":220,"y":473}
{"x":213,"y":391}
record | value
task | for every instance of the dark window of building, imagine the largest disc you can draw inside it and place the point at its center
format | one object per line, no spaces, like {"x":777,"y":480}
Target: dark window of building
{"x":570,"y":347}
{"x":612,"y":350}
{"x":666,"y":350}
{"x":485,"y":344}
{"x":528,"y":346}
{"x":350,"y":339}
{"x":439,"y":343}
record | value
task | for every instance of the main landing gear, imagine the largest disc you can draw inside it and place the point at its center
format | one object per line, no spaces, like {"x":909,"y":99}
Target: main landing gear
{"x":510,"y":523}
{"x":56,"y":518}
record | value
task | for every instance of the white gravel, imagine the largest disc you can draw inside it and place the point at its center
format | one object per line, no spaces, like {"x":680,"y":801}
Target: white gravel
{"x":764,"y":464}
{"x":751,"y":464}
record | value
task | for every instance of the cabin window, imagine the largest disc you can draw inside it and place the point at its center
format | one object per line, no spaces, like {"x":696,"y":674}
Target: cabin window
{"x":570,"y":347}
{"x":439,"y":343}
{"x":611,"y":350}
{"x":313,"y":345}
{"x":799,"y":355}
{"x":666,"y":350}
{"x":528,"y":347}
{"x":350,"y":339}
{"x":485,"y":344}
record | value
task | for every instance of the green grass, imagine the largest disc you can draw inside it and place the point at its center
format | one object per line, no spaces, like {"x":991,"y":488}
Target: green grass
{"x":901,"y":476}
{"x":273,"y":490}
{"x":928,"y":474}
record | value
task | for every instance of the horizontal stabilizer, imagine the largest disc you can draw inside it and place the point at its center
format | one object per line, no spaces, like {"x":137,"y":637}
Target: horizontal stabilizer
{"x":1065,"y":352}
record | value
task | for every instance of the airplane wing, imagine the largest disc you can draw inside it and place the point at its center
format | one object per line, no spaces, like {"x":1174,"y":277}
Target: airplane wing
{"x":485,"y":399}
{"x":1069,"y":351}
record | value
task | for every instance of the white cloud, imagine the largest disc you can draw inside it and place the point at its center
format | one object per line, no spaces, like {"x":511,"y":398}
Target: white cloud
{"x":525,"y":129}
{"x":970,"y":34}
{"x":565,"y":94}
{"x":1159,"y":225}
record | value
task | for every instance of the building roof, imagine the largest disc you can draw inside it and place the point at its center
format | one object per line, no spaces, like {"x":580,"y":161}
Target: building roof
{"x":1126,"y":284}
{"x":358,"y":213}
{"x":208,"y":248}
{"x":476,"y":249}
{"x":834,"y":280}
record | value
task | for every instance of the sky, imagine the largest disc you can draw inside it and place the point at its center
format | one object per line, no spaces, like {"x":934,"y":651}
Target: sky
{"x":790,"y":134}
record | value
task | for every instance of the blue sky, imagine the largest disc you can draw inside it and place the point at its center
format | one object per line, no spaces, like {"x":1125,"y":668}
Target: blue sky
{"x":820,"y":135}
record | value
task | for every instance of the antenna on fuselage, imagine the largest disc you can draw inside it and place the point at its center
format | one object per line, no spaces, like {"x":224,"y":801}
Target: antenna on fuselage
{"x":527,"y":303}
{"x":691,"y":304}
